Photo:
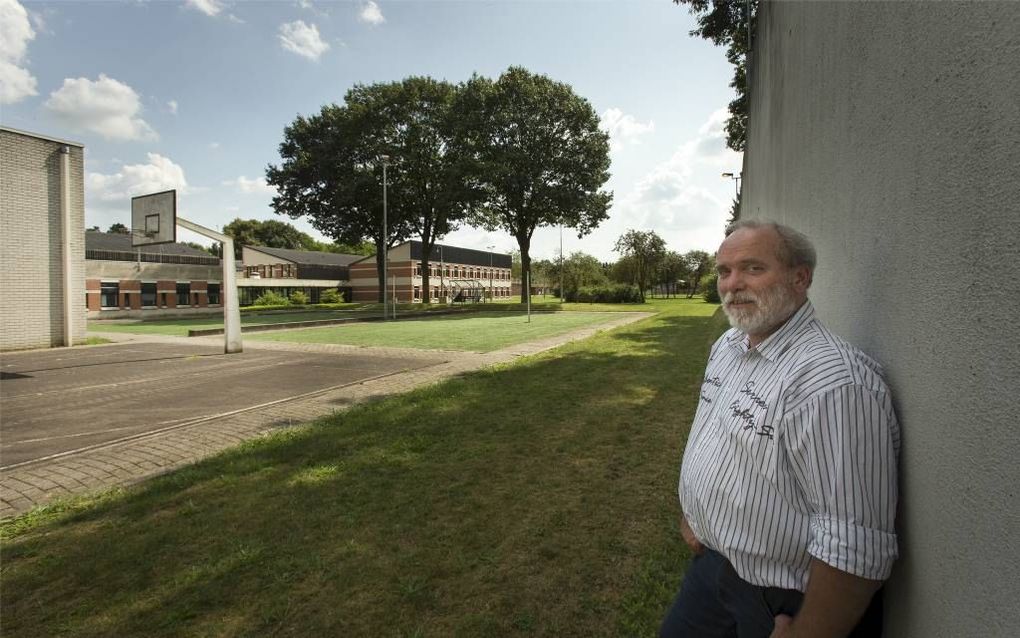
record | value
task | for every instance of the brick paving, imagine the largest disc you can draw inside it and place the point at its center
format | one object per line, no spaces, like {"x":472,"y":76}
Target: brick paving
{"x":123,"y":463}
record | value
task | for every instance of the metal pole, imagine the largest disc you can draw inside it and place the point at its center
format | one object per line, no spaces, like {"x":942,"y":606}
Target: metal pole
{"x":385,"y":242}
{"x":563,"y":298}
{"x":527,"y":288}
{"x":231,"y":307}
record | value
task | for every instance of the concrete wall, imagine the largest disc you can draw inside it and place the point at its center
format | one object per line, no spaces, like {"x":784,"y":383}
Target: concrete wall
{"x":31,"y":244}
{"x":889,"y":133}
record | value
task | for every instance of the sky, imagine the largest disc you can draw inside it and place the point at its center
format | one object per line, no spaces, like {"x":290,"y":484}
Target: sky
{"x":194,"y":95}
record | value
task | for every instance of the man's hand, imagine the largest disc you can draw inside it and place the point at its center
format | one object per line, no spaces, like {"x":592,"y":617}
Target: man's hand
{"x":782,"y":628}
{"x":689,"y":537}
{"x":833,"y":603}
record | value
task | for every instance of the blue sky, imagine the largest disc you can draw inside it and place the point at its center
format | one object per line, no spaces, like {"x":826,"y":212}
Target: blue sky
{"x":195,"y":95}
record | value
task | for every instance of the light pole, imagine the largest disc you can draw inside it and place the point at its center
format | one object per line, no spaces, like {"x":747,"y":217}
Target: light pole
{"x":386,"y":253}
{"x":736,"y":182}
{"x":491,"y":291}
{"x":563,"y":299}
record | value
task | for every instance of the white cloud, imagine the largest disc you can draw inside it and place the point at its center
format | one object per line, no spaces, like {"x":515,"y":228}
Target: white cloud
{"x":16,"y":83}
{"x":248,"y":186}
{"x":159,"y":174}
{"x":371,"y":13}
{"x":211,"y":8}
{"x":214,"y":145}
{"x":172,"y":105}
{"x":623,"y":128}
{"x":106,"y":106}
{"x":303,"y":39}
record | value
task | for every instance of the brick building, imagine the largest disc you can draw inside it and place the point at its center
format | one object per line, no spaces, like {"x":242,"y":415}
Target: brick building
{"x":455,"y":275}
{"x":283,"y":271}
{"x":42,"y":245}
{"x":164,"y":279}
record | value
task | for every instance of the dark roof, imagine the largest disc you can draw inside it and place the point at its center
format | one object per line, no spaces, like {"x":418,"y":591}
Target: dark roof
{"x":456,"y":255}
{"x":117,"y":242}
{"x":309,"y":257}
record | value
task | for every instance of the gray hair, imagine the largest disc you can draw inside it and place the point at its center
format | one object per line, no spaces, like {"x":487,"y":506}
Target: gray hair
{"x":795,"y":249}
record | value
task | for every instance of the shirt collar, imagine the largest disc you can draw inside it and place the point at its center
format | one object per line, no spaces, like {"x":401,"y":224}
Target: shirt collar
{"x":778,"y":341}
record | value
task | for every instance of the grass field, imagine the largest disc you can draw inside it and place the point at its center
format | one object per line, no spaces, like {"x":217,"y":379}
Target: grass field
{"x":535,"y":499}
{"x":475,"y":332}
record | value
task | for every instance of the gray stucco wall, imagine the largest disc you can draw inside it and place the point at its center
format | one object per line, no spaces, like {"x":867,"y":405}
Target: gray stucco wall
{"x":889,"y":133}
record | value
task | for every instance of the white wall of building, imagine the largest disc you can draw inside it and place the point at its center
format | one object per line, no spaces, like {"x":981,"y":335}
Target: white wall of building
{"x":889,"y":132}
{"x":31,"y":241}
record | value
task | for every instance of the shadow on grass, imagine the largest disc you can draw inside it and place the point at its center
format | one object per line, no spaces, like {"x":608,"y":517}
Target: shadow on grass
{"x":533,"y":499}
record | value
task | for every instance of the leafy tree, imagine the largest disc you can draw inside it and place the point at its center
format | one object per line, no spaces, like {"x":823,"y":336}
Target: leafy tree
{"x":699,"y":264}
{"x":333,"y":162}
{"x":545,"y":273}
{"x":730,"y":23}
{"x":622,"y":270}
{"x":672,"y":269}
{"x":332,"y":172}
{"x":271,"y":233}
{"x":535,"y":154}
{"x":212,"y":250}
{"x":581,"y":270}
{"x":119,"y":228}
{"x":645,"y":249}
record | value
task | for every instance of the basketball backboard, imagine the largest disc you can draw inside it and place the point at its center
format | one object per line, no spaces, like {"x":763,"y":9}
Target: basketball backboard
{"x":154,"y":218}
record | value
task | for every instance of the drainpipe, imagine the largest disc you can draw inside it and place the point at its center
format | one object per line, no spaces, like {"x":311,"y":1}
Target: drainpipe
{"x":65,"y":214}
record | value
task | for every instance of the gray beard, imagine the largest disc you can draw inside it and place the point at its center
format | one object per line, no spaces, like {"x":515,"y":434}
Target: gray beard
{"x":771,"y":308}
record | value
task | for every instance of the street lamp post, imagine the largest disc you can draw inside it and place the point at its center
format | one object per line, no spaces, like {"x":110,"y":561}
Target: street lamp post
{"x":736,"y":182}
{"x":563,"y":299}
{"x":491,"y":290}
{"x":386,"y":253}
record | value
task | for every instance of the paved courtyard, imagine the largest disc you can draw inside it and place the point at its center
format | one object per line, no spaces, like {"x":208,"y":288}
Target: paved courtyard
{"x":74,"y":420}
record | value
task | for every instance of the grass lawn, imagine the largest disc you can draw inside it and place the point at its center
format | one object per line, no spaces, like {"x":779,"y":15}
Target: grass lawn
{"x":475,"y":332}
{"x":534,"y":499}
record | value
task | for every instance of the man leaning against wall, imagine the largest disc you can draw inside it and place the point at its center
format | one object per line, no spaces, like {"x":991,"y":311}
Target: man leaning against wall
{"x":788,"y":482}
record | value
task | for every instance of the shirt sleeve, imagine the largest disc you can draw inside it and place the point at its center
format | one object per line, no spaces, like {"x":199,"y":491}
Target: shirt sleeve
{"x":843,"y":448}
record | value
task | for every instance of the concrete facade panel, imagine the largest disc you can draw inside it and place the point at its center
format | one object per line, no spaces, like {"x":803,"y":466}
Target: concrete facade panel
{"x":889,"y":134}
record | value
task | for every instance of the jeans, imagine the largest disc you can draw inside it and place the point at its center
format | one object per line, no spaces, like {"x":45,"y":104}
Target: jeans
{"x":714,"y":602}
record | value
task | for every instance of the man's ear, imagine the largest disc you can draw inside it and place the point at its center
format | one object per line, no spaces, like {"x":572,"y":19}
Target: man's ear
{"x":802,"y":278}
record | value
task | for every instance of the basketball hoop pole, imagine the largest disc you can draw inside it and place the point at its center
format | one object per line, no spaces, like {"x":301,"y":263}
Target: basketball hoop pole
{"x":231,"y":309}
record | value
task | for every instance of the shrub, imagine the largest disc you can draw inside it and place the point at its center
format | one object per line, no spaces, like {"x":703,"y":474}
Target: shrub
{"x":298,"y":298}
{"x":331,"y":295}
{"x":270,"y":298}
{"x":710,"y":288}
{"x":605,"y":293}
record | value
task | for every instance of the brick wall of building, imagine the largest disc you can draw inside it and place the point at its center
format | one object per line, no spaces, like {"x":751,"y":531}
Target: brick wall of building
{"x":31,"y":243}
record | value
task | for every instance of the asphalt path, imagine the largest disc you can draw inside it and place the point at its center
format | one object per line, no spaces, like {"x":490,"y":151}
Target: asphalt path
{"x":55,"y":402}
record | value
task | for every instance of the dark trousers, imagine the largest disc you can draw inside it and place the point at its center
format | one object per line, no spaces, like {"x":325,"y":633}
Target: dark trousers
{"x":714,"y":602}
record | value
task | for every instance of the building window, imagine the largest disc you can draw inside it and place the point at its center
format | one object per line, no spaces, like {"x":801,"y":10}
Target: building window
{"x":214,"y":294}
{"x":417,"y":293}
{"x":183,"y":294}
{"x":148,"y":295}
{"x":109,"y":294}
{"x":417,"y":270}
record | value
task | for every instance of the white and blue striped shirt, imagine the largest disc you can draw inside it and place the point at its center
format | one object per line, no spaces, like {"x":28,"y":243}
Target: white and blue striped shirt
{"x":792,"y":454}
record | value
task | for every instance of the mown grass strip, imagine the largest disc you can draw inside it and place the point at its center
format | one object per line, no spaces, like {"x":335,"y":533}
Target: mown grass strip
{"x":536,"y":499}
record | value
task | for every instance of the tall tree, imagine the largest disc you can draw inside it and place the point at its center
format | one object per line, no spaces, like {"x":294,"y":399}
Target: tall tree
{"x":427,"y":161}
{"x":730,"y":23}
{"x":672,"y":269}
{"x":535,"y":154}
{"x":119,"y":228}
{"x":645,"y":249}
{"x":332,"y":172}
{"x":271,"y":233}
{"x":579,"y":270}
{"x":699,"y":264}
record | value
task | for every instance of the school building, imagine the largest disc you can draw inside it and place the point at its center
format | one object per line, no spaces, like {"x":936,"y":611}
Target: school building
{"x":455,"y":275}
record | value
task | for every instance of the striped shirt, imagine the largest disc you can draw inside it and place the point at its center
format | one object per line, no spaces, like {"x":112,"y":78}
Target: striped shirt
{"x":792,"y":454}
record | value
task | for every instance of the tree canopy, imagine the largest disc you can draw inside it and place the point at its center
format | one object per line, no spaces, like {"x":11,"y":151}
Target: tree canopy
{"x":535,"y":156}
{"x":276,"y":234}
{"x":644,"y":249}
{"x":333,"y":163}
{"x":729,"y":23}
